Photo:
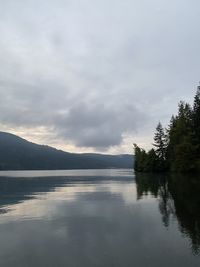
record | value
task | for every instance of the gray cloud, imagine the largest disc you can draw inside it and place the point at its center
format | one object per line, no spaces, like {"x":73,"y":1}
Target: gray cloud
{"x":98,"y":125}
{"x":94,"y":71}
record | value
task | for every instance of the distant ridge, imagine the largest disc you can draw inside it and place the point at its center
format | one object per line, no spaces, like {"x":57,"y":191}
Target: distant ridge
{"x":17,"y":153}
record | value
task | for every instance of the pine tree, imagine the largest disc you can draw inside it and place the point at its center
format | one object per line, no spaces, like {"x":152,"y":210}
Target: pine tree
{"x":140,"y":159}
{"x":151,"y":161}
{"x":196,"y":127}
{"x":196,"y":114}
{"x":178,"y":148}
{"x":160,"y":142}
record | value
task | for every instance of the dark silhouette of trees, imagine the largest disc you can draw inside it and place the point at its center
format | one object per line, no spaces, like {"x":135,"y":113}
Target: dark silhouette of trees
{"x":177,"y":148}
{"x":196,"y":128}
{"x":145,"y":162}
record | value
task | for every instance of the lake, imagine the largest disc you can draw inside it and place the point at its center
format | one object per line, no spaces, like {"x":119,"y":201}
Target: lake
{"x":98,"y":218}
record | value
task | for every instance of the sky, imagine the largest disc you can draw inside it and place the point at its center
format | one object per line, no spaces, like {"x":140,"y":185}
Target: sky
{"x":96,"y":75}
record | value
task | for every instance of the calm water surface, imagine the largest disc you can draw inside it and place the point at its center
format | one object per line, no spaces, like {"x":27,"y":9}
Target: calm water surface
{"x":98,"y":218}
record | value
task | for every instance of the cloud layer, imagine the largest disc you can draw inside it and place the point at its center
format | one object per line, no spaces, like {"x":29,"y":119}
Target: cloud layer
{"x":94,"y":72}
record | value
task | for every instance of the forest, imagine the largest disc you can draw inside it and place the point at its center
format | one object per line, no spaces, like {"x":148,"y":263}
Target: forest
{"x":176,"y":148}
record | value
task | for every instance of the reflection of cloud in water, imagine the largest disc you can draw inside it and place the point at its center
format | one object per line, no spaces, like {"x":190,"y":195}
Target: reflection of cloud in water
{"x":87,"y":222}
{"x":46,"y":204}
{"x":69,"y":173}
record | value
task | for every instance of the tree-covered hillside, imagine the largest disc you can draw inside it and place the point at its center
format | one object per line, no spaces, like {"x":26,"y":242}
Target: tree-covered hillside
{"x":18,"y":154}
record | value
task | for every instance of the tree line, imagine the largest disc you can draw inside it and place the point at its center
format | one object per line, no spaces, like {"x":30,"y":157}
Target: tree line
{"x":177,"y":147}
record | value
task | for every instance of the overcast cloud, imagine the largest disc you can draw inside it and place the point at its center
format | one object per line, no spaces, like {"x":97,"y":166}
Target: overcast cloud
{"x":94,"y":75}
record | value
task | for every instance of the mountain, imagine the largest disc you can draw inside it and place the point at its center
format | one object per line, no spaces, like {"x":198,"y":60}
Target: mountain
{"x":17,"y":153}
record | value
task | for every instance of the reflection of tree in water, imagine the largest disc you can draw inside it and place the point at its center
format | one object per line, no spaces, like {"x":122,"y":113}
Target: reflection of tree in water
{"x":179,"y":197}
{"x":166,"y":203}
{"x":147,"y":184}
{"x":186,"y":194}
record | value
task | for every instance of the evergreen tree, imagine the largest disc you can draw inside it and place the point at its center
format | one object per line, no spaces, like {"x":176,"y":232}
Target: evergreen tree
{"x":196,"y":115}
{"x":160,"y":142}
{"x":181,"y":140}
{"x":196,"y":110}
{"x":151,"y":161}
{"x":196,"y":125}
{"x":178,"y":149}
{"x":140,"y":158}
